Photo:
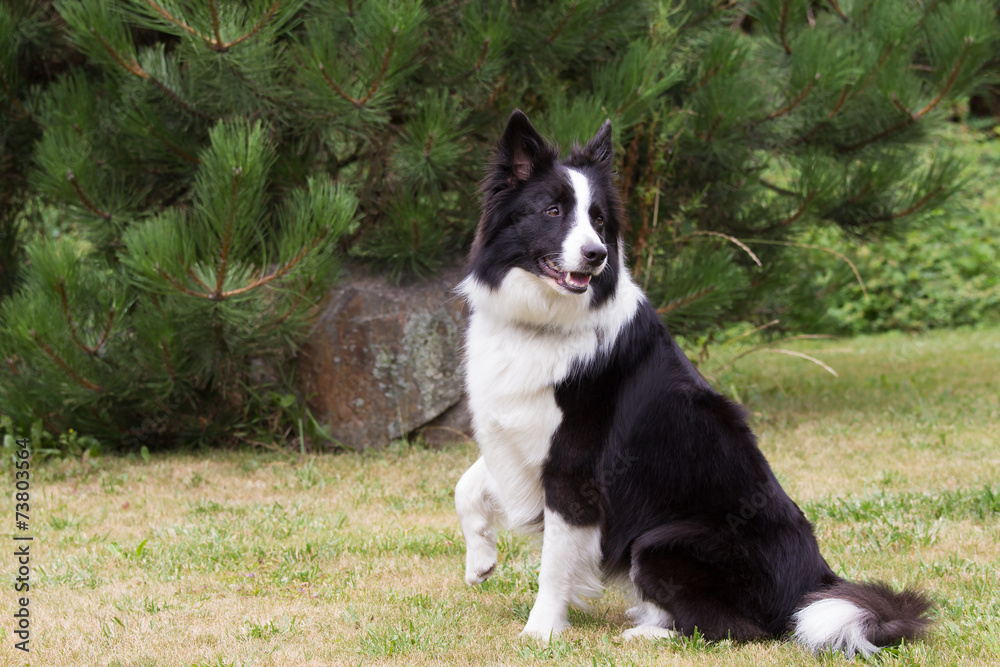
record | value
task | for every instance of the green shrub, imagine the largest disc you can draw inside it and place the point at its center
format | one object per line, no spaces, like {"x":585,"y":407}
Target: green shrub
{"x":942,"y":272}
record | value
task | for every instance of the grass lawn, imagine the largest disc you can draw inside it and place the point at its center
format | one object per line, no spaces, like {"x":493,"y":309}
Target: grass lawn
{"x":250,"y":558}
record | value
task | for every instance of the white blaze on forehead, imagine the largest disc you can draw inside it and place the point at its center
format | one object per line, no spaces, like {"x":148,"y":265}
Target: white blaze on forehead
{"x":582,"y":233}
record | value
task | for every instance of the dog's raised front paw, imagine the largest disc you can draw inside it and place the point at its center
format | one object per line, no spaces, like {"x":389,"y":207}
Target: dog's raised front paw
{"x":480,"y":562}
{"x":475,"y":576}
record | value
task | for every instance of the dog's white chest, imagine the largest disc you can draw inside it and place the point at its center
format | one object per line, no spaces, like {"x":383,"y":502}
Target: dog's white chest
{"x":510,"y":379}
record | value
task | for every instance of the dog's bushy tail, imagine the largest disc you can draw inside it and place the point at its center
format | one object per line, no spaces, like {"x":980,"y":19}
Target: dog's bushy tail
{"x":859,"y":618}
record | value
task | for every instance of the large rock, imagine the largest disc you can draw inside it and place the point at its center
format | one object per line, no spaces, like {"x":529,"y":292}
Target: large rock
{"x":385,"y":361}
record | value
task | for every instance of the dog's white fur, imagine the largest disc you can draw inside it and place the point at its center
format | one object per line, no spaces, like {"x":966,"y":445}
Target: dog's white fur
{"x":582,"y":232}
{"x":834,"y":624}
{"x":570,"y":574}
{"x":523,"y":339}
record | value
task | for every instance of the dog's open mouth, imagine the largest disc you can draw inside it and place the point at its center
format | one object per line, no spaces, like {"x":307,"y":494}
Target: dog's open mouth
{"x":574,"y":282}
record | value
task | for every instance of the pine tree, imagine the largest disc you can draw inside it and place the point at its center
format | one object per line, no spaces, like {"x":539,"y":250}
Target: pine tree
{"x":207,"y":164}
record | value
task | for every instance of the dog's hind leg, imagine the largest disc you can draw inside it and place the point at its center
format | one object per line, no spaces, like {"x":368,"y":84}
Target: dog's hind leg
{"x":650,"y":622}
{"x":479,"y":511}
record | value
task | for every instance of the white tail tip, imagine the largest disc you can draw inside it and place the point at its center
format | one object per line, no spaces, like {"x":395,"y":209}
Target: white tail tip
{"x":836,"y":625}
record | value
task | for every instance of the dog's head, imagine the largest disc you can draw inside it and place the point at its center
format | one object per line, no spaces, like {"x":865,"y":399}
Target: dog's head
{"x":557,"y":220}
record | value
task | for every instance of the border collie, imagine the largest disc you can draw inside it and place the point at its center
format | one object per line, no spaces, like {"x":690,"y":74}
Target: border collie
{"x":596,"y":430}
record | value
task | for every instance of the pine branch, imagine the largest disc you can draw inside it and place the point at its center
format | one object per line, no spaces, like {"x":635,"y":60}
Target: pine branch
{"x":840,"y":102}
{"x":829,"y":116}
{"x":385,"y":68}
{"x":777,"y":188}
{"x":177,"y":100}
{"x":268,"y":15}
{"x":84,"y":199}
{"x":227,"y":236}
{"x":333,"y":84}
{"x":680,"y":303}
{"x":215,"y":42}
{"x":478,"y":64}
{"x":375,"y":84}
{"x":10,"y":96}
{"x":59,"y":361}
{"x":705,"y":79}
{"x":918,"y":204}
{"x":629,"y":163}
{"x":213,"y":12}
{"x":795,"y":102}
{"x":64,"y":304}
{"x":798,"y":213}
{"x":836,"y":8}
{"x":482,"y":55}
{"x":562,"y":24}
{"x":258,"y":89}
{"x":711,"y":132}
{"x":279,"y":272}
{"x":172,"y":147}
{"x":133,"y":67}
{"x":596,"y":17}
{"x":181,"y":286}
{"x":107,"y":331}
{"x":861,"y":193}
{"x":217,"y":295}
{"x":299,"y":295}
{"x":952,"y":77}
{"x":176,"y":21}
{"x":719,"y":5}
{"x":195,"y":277}
{"x":910,"y":116}
{"x":167,"y":362}
{"x":871,"y":74}
{"x":782,"y":25}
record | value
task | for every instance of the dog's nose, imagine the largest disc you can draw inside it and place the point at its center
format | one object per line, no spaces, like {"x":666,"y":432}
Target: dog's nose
{"x":594,"y":253}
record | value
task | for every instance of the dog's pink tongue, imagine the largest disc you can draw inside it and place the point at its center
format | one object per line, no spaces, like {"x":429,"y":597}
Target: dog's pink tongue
{"x":578,"y":279}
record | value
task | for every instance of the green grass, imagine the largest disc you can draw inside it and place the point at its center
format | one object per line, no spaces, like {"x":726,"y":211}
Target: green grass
{"x":249,"y":558}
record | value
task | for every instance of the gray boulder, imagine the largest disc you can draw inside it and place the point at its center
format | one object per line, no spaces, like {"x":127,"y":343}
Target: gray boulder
{"x":385,"y":361}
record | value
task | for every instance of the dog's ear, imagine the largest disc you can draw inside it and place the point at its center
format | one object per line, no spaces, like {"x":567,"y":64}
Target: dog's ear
{"x":520,"y":147}
{"x":600,"y":149}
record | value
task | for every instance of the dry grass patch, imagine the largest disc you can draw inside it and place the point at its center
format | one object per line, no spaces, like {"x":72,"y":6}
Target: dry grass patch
{"x":248,"y":558}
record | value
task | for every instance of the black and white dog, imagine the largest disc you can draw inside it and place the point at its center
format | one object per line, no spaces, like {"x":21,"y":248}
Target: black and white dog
{"x":596,"y":429}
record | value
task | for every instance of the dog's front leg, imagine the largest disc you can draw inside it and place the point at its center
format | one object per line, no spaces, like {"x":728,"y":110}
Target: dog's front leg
{"x":478,"y":512}
{"x":571,"y":557}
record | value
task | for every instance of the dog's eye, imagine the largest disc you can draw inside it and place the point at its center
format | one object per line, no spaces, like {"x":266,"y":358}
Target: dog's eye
{"x":599,"y":220}
{"x":552,"y":211}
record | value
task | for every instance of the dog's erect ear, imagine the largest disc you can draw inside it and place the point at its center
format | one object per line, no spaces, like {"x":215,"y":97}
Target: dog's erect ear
{"x":520,"y":147}
{"x":599,"y":148}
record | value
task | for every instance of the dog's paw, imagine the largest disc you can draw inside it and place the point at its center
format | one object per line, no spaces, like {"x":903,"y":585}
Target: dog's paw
{"x":480,"y":563}
{"x":541,"y":632}
{"x":544,"y":627}
{"x":474,"y":576}
{"x":649,"y":632}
